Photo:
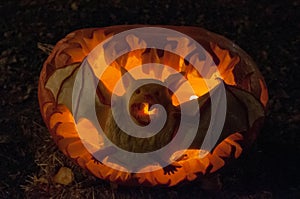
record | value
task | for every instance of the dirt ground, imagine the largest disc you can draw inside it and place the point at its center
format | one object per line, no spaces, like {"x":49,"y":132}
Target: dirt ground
{"x":267,"y":30}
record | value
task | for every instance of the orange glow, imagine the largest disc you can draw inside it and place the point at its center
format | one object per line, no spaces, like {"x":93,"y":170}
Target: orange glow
{"x":146,"y":108}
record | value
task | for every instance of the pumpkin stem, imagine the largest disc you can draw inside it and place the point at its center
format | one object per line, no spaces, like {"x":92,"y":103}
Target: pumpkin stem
{"x":46,"y":48}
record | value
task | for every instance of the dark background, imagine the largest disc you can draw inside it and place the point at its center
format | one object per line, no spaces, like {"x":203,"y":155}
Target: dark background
{"x":267,"y":30}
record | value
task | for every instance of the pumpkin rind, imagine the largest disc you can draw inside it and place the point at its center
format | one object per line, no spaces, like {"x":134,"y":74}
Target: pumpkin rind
{"x":235,"y":66}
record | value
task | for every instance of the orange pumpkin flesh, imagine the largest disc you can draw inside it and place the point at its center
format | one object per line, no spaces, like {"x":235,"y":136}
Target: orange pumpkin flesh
{"x":236,"y":68}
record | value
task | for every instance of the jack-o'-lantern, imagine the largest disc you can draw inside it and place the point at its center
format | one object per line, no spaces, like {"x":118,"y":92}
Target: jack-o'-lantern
{"x":245,"y":97}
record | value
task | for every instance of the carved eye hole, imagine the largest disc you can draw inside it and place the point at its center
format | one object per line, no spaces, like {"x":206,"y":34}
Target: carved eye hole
{"x":137,"y":91}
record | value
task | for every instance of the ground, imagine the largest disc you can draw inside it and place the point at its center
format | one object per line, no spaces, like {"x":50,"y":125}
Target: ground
{"x":267,"y":30}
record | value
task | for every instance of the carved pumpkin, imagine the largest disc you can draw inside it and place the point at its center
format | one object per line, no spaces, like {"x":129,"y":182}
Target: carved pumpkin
{"x":245,"y":88}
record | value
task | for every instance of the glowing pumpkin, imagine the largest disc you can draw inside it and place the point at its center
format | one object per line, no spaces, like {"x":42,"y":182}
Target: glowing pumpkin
{"x":246,"y":97}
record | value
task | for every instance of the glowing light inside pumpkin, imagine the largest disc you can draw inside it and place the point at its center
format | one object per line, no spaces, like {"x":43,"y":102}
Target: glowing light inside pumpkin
{"x":193,"y":97}
{"x":146,"y":108}
{"x":147,"y":111}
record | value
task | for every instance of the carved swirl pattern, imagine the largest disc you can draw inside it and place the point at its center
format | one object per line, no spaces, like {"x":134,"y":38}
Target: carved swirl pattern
{"x":236,"y":68}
